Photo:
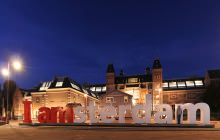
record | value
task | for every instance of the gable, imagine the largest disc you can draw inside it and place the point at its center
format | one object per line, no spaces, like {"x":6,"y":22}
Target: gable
{"x":117,"y":92}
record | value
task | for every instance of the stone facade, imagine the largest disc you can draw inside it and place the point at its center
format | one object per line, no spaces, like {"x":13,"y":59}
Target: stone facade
{"x":59,"y":98}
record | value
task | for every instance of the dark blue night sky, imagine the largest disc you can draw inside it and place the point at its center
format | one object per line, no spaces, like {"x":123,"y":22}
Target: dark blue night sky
{"x":79,"y":38}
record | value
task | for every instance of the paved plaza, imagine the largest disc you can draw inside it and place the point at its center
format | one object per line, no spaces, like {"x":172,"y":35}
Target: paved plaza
{"x":11,"y":132}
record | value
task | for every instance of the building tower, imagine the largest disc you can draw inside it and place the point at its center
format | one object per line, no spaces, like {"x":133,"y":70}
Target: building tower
{"x":148,"y":70}
{"x":157,"y":83}
{"x":110,"y":78}
{"x":121,"y":72}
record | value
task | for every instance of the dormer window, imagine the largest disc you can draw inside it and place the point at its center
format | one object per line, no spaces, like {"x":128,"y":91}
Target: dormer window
{"x":59,"y":84}
{"x":45,"y":86}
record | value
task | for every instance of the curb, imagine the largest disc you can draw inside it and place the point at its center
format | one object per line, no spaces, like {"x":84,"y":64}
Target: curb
{"x":121,"y":125}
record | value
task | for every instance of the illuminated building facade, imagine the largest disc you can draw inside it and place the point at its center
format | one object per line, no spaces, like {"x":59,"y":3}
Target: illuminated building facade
{"x":169,"y":91}
{"x":118,"y":90}
{"x":61,"y":92}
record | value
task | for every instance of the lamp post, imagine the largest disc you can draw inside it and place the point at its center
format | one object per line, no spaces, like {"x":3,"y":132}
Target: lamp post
{"x":161,"y":99}
{"x":85,"y":95}
{"x":6,"y":72}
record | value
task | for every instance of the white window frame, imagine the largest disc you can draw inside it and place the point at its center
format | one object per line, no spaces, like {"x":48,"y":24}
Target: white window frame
{"x":59,"y":84}
{"x":108,"y":100}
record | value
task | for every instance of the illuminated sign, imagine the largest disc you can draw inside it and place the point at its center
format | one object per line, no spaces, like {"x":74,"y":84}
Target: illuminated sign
{"x":108,"y":113}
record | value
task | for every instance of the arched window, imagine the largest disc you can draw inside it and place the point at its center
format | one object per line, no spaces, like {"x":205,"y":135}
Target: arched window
{"x":37,"y":100}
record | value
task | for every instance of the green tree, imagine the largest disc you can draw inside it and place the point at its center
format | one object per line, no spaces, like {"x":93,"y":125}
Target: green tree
{"x":11,"y":90}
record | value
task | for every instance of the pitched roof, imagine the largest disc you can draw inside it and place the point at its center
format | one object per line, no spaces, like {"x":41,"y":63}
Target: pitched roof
{"x":214,"y":73}
{"x":25,"y":92}
{"x":118,"y":92}
{"x":156,"y":64}
{"x":98,"y":88}
{"x":110,"y":68}
{"x":63,"y":82}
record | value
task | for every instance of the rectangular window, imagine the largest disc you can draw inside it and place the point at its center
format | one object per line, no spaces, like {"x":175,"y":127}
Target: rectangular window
{"x":165,"y":85}
{"x":181,"y":84}
{"x":199,"y":83}
{"x":92,"y":88}
{"x":85,"y":91}
{"x":98,"y":89}
{"x":132,"y":80}
{"x":125,"y":99}
{"x":190,"y":83}
{"x":45,"y":86}
{"x":37,"y":100}
{"x":75,"y":86}
{"x":104,"y":89}
{"x":93,"y":95}
{"x":109,"y":99}
{"x":59,"y":84}
{"x":149,"y":86}
{"x":172,"y":84}
{"x":134,"y":85}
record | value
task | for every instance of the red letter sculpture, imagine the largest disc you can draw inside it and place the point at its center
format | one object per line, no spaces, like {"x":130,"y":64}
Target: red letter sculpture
{"x":53,"y":114}
{"x":69,"y":112}
{"x":27,"y":112}
{"x":44,"y":117}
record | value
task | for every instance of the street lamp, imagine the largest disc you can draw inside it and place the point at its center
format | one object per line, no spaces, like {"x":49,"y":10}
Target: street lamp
{"x":17,"y":65}
{"x":6,"y":72}
{"x":161,"y":99}
{"x":85,"y":95}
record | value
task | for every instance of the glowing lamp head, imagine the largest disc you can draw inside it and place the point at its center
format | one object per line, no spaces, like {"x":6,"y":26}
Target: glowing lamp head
{"x":5,"y":72}
{"x":17,"y":65}
{"x":85,"y":95}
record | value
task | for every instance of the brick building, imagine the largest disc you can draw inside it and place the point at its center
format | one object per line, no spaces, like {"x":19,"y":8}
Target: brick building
{"x":60,"y":92}
{"x":168,"y":91}
{"x":19,"y":96}
{"x":116,"y":98}
{"x":118,"y":90}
